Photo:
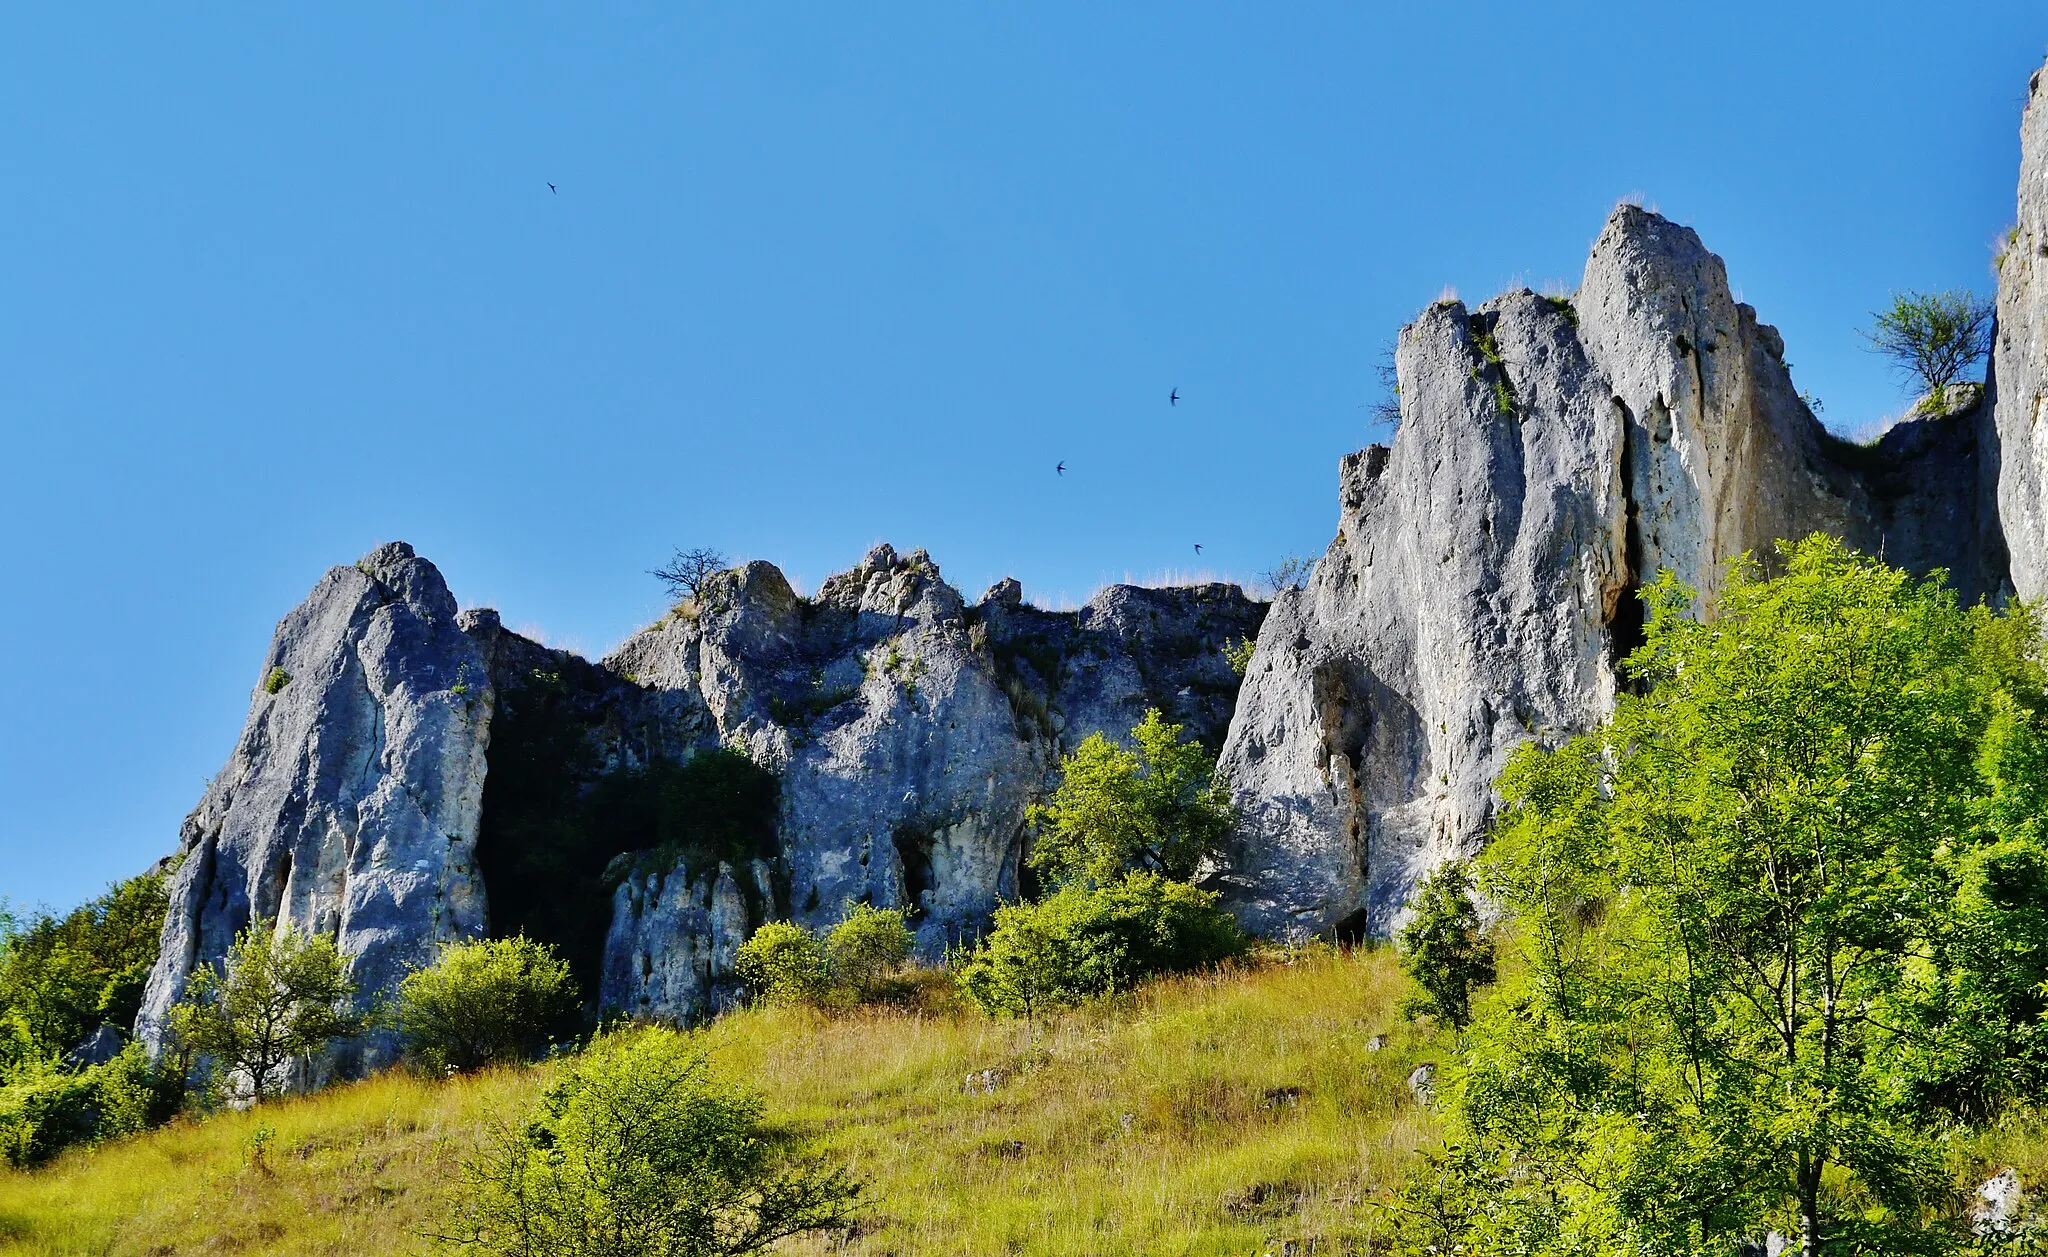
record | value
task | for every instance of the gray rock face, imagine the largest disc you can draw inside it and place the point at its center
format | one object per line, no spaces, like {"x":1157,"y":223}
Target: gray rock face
{"x":1552,"y":456}
{"x":349,"y":807}
{"x":909,"y":732}
{"x":2019,"y":360}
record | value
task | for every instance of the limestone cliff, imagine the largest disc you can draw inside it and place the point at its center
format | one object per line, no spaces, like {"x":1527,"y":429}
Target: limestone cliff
{"x":2019,"y":360}
{"x":1552,"y":454}
{"x":349,"y":806}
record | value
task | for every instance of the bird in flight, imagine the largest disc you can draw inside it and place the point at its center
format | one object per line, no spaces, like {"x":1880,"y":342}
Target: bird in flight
{"x":1173,"y":398}
{"x":1198,"y":547}
{"x":552,"y":188}
{"x":1062,"y":468}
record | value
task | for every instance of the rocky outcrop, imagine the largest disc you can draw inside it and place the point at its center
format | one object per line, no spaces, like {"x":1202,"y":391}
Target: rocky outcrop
{"x":911,"y":731}
{"x":399,"y":756}
{"x":349,"y":807}
{"x":2019,"y":360}
{"x":1553,"y":454}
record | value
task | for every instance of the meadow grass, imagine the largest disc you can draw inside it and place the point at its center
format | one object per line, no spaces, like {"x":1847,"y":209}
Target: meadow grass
{"x":1217,"y":1114}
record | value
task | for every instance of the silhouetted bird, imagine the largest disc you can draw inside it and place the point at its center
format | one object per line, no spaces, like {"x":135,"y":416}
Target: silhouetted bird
{"x":1173,"y":398}
{"x":552,"y":188}
{"x":1062,"y":468}
{"x":1198,"y":547}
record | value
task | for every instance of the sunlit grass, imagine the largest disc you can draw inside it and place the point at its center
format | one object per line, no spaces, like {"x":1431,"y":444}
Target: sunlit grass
{"x":1206,"y":1115}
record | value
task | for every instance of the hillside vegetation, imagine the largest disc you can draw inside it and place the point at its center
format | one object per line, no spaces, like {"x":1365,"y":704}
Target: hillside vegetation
{"x":1219,"y":1114}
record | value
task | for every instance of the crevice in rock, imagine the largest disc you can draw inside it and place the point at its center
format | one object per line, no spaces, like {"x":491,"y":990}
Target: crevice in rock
{"x":1625,"y":606}
{"x":914,"y":853}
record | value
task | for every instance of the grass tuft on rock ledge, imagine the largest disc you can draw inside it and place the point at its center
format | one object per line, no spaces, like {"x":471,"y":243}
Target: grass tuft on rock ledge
{"x":1198,"y":1115}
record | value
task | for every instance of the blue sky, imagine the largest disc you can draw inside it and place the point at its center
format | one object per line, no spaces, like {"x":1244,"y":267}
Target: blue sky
{"x":277,"y":286}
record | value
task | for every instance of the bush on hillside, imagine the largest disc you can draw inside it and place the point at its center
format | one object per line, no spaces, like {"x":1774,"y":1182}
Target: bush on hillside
{"x":1086,"y":941}
{"x":281,"y":996}
{"x":782,"y":963}
{"x":484,"y":1002}
{"x":45,"y":1108}
{"x":639,"y":1151}
{"x":1443,"y":948}
{"x":867,"y":946}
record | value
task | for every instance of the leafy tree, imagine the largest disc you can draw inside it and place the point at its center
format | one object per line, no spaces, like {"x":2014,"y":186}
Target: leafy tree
{"x":866,"y":947}
{"x":1734,"y":912}
{"x":1291,"y":572}
{"x":782,"y":963}
{"x":1159,"y":808}
{"x":1933,"y":337}
{"x":1089,"y":940}
{"x":45,"y":1107}
{"x":283,"y":995}
{"x":63,"y":977}
{"x":484,"y":1002}
{"x":640,"y":1152}
{"x":1443,"y":948}
{"x":687,"y":571}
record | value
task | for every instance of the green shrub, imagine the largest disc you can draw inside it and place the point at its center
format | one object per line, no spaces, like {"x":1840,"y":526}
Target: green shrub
{"x":866,"y":947}
{"x":1087,"y":941}
{"x":782,"y":963}
{"x":485,"y":1002}
{"x":45,"y":1108}
{"x":276,"y":681}
{"x":1443,"y":948}
{"x":1238,"y":654}
{"x":641,"y":1151}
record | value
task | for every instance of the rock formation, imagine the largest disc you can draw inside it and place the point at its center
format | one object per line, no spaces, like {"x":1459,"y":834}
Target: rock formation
{"x":2019,"y":360}
{"x":349,"y":807}
{"x":1553,"y":453}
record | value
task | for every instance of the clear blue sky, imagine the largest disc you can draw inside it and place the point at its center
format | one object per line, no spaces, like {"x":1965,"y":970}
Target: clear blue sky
{"x":276,"y":286}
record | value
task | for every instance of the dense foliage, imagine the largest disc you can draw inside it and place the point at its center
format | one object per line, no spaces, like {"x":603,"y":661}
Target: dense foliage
{"x":279,"y":996}
{"x":554,"y":819}
{"x":782,"y":963}
{"x":1086,"y":940}
{"x":63,"y":977}
{"x":1775,"y":930}
{"x":484,"y":1002}
{"x":1158,"y":808}
{"x":1443,"y":948}
{"x":866,"y":949}
{"x":639,"y":1151}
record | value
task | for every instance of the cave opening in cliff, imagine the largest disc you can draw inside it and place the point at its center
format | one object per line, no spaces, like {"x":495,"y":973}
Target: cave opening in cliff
{"x":914,"y":852}
{"x":557,"y":817}
{"x":1625,"y":624}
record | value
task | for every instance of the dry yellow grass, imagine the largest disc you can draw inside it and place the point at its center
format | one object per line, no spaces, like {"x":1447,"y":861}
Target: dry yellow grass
{"x":1210,"y":1115}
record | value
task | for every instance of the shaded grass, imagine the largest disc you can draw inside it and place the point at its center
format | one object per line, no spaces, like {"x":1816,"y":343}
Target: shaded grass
{"x":1201,"y":1115}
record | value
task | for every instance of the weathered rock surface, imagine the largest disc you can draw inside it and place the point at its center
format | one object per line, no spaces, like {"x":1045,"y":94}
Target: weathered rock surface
{"x":1552,"y":455}
{"x":349,"y":806}
{"x":910,"y":732}
{"x":2019,"y":360}
{"x":669,"y":953}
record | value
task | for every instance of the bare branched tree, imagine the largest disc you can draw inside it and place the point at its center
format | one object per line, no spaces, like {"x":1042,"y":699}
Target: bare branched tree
{"x":686,"y":573}
{"x":1289,"y":573}
{"x":1387,"y":409}
{"x":1933,"y":337}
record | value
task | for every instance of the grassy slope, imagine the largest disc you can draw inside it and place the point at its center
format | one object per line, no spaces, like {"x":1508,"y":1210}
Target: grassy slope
{"x":1201,"y":1115}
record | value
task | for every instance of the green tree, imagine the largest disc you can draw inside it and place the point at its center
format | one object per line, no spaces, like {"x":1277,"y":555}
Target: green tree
{"x":1158,"y":808}
{"x":782,"y":963}
{"x":282,"y":996}
{"x":1717,"y":897}
{"x":1443,"y":947}
{"x":1091,"y":940}
{"x":1933,"y":337}
{"x":484,"y":1002}
{"x":641,"y":1152}
{"x":63,"y":977}
{"x":866,"y":947}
